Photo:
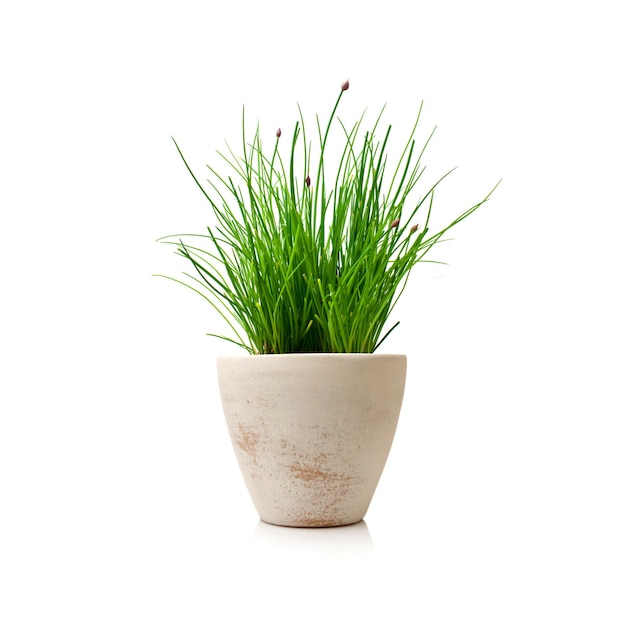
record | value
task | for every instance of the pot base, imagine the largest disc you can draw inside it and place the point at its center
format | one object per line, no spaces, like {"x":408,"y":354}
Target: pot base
{"x":314,"y":524}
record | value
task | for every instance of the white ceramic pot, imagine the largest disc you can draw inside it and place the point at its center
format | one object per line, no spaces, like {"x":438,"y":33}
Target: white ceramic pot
{"x":312,"y":432}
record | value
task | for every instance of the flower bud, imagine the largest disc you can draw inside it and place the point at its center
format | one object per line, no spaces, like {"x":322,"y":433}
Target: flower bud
{"x":345,"y":86}
{"x":307,"y":180}
{"x":278,"y":133}
{"x":395,"y":223}
{"x":414,"y":228}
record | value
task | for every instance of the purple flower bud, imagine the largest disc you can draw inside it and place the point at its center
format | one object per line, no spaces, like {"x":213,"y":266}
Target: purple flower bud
{"x":278,"y":133}
{"x":307,"y":180}
{"x":414,"y":228}
{"x":395,"y":223}
{"x":345,"y":86}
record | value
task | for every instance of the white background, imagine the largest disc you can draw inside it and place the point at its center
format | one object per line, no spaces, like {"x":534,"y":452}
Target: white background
{"x":503,"y":500}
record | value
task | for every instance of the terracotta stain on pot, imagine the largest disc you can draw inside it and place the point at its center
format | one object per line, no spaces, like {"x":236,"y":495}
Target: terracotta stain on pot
{"x":324,"y":488}
{"x":314,"y":468}
{"x":310,"y":473}
{"x":246,"y":440}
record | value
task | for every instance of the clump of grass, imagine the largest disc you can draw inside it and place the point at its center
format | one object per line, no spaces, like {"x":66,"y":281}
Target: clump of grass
{"x":303,"y":260}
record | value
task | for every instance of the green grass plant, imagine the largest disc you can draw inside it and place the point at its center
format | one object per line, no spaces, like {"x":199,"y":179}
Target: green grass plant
{"x":305,"y":257}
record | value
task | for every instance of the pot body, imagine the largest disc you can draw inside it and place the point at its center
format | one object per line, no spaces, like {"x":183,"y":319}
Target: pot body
{"x":312,"y":432}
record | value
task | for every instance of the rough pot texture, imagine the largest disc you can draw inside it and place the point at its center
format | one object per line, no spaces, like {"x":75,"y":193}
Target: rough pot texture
{"x":312,"y":432}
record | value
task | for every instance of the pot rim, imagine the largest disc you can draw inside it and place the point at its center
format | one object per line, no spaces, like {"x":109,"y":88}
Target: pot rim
{"x":314,"y":355}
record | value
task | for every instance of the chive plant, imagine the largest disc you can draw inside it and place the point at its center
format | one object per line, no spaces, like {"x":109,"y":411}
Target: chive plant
{"x":302,"y":259}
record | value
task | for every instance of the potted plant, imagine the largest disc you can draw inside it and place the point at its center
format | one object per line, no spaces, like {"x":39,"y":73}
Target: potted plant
{"x":306,"y":256}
